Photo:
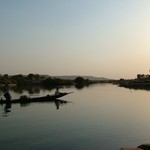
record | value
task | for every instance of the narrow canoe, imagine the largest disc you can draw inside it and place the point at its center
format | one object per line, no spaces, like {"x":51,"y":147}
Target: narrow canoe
{"x":25,"y":99}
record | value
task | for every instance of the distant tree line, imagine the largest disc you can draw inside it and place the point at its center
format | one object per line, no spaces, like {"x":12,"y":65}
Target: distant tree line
{"x":143,"y":76}
{"x":56,"y":81}
{"x":36,"y":79}
{"x":141,"y":81}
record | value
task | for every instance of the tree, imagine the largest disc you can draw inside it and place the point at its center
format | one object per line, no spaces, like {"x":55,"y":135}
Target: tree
{"x":79,"y":80}
{"x":30,"y":76}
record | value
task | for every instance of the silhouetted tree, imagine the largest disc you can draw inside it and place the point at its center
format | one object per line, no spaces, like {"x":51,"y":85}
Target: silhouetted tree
{"x":79,"y":80}
{"x":30,"y":76}
{"x":20,"y":79}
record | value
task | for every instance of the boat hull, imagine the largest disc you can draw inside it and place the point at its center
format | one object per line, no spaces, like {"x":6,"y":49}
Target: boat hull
{"x":25,"y":99}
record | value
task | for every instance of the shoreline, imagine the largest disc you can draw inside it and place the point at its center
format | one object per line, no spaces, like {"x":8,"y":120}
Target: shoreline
{"x":140,"y":147}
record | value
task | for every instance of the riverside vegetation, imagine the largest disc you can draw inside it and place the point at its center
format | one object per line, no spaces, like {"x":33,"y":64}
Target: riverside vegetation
{"x":44,"y":81}
{"x":142,"y":81}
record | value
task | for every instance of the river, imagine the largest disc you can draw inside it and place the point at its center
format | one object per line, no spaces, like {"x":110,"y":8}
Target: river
{"x":101,"y":116}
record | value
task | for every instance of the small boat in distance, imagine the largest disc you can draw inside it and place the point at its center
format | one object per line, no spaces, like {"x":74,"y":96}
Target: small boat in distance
{"x":26,"y":99}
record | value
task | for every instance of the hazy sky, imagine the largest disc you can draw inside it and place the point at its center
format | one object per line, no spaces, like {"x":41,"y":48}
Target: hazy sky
{"x":106,"y":38}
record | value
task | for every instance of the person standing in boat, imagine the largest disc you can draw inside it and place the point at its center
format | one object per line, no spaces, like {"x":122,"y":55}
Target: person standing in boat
{"x":6,"y":94}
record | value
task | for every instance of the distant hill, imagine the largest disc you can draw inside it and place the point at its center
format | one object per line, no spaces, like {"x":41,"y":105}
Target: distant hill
{"x":85,"y":77}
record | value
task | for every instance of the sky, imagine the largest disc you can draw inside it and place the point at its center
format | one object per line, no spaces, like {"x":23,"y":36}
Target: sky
{"x":103,"y":38}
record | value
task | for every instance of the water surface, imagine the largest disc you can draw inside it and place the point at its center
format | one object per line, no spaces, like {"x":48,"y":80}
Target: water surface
{"x":102,"y":116}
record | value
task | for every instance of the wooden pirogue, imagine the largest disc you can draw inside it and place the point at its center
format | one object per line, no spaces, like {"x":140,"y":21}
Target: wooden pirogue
{"x":25,"y":99}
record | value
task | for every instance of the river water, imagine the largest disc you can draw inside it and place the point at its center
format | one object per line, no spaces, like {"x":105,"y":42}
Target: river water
{"x":102,"y":116}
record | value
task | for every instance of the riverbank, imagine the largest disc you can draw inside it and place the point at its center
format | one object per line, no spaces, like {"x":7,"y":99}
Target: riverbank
{"x":140,"y":147}
{"x":45,"y":81}
{"x":141,"y":82}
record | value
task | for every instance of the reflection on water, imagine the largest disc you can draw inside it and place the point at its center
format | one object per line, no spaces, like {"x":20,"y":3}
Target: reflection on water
{"x":103,"y":116}
{"x":30,"y":89}
{"x":59,"y":103}
{"x":37,"y":89}
{"x":6,"y":108}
